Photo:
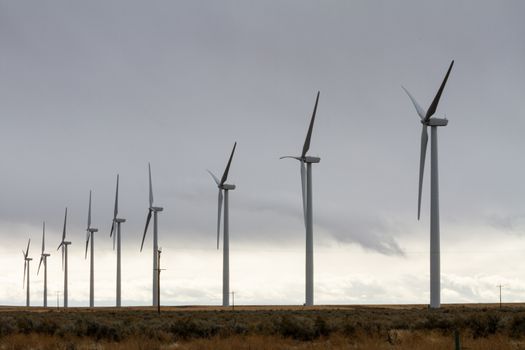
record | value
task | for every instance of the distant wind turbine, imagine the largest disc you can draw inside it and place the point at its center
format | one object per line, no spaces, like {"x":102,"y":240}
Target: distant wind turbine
{"x":306,"y":187}
{"x":43,"y":258}
{"x":63,"y":244}
{"x":27,"y":261}
{"x":90,"y":235}
{"x":153,"y":210}
{"x":116,"y":237}
{"x":223,"y":186}
{"x":426,"y":120}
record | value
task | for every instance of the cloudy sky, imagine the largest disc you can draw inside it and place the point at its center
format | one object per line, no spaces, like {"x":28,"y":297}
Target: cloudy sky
{"x":92,"y":89}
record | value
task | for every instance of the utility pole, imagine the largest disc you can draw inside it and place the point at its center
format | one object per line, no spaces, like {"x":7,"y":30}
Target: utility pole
{"x":233,"y":300}
{"x":500,"y":286}
{"x":58,"y":304}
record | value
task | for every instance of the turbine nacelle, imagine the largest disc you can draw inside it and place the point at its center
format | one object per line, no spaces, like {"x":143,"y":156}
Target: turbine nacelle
{"x":156,"y":209}
{"x":227,"y":187}
{"x":119,"y":220}
{"x":66,"y":243}
{"x":436,"y":122}
{"x":92,"y":230}
{"x":309,"y":159}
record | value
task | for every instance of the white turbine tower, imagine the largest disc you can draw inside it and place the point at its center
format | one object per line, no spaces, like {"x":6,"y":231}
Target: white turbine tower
{"x":64,"y":245}
{"x":306,"y":187}
{"x":434,"y":123}
{"x":223,"y":186}
{"x":43,"y":258}
{"x":116,"y":237}
{"x":90,"y":235}
{"x":27,"y":261}
{"x":153,"y":210}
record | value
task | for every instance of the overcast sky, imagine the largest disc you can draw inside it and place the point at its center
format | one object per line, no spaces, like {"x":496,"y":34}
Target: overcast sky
{"x":92,"y":89}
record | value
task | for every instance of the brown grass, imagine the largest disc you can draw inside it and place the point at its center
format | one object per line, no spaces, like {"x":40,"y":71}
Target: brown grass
{"x":265,"y":327}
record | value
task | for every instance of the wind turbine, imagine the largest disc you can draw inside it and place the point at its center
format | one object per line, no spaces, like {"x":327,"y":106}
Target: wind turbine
{"x":306,"y":187}
{"x":223,"y":186}
{"x":90,"y":235}
{"x":116,"y":237}
{"x":27,"y":260}
{"x":434,"y":123}
{"x":64,"y":245}
{"x":153,"y":210}
{"x":43,"y":258}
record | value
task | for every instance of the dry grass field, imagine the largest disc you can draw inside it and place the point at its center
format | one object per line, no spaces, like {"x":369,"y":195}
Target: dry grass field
{"x":480,"y":326}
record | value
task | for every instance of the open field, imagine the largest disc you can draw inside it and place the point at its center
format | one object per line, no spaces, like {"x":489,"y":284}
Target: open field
{"x":481,"y":326}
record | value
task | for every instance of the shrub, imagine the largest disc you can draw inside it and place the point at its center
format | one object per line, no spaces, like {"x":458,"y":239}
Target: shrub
{"x":189,"y":328}
{"x":7,"y":326}
{"x":517,"y":327}
{"x":297,"y":327}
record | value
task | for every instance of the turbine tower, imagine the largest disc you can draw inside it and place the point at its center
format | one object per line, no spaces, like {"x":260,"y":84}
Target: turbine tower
{"x":306,"y":187}
{"x":434,"y":123}
{"x":153,"y":210}
{"x":64,"y":245}
{"x":90,"y":235}
{"x":27,"y":260}
{"x":223,"y":186}
{"x":43,"y":258}
{"x":116,"y":237}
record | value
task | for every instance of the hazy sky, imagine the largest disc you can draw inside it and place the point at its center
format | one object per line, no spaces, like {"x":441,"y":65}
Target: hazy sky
{"x":89,"y":89}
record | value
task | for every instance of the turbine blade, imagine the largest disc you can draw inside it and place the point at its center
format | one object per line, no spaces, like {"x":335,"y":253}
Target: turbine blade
{"x":150,"y":187}
{"x":214,"y":178}
{"x":25,"y":268}
{"x":303,"y":190}
{"x":424,"y":141}
{"x":219,"y":213}
{"x":60,"y":245}
{"x":64,"y":229}
{"x":420,"y":111}
{"x":227,"y":170}
{"x":27,"y":249}
{"x":306,"y":145}
{"x":114,"y":237}
{"x":115,"y":211}
{"x":89,"y":212}
{"x":145,"y":229}
{"x":87,"y":243}
{"x":43,"y":237}
{"x":40,"y":263}
{"x":433,"y":106}
{"x":292,"y":157}
{"x":62,"y":258}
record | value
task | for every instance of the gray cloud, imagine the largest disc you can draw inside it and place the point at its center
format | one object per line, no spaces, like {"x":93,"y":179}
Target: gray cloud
{"x":94,"y":88}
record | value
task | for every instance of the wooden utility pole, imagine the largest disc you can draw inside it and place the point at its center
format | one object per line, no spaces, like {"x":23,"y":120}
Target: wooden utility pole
{"x":233,"y":300}
{"x":500,"y":286}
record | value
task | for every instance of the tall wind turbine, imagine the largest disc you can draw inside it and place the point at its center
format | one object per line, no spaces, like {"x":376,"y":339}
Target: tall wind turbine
{"x":153,"y":210}
{"x":27,"y":260}
{"x":223,"y":186}
{"x":434,"y":123}
{"x":43,"y":258}
{"x":90,"y":235}
{"x":64,"y":245}
{"x":306,"y":187}
{"x":116,"y":237}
